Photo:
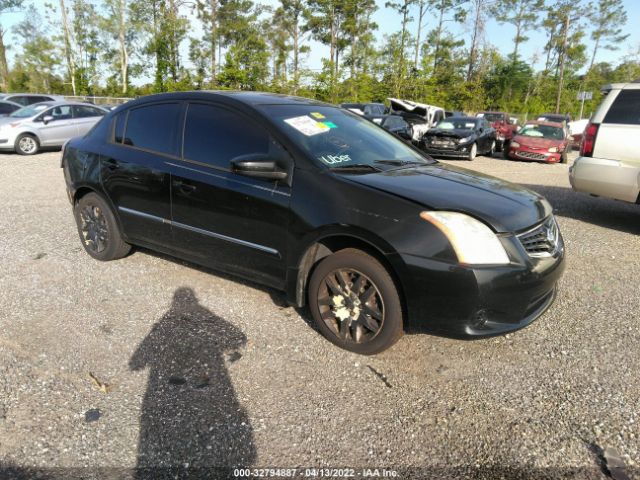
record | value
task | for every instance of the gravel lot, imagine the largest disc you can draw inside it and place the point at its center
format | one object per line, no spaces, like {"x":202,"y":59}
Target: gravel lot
{"x":205,"y":370}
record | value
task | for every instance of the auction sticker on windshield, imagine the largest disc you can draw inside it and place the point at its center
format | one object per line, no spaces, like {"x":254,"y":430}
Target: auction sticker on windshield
{"x":307,"y":125}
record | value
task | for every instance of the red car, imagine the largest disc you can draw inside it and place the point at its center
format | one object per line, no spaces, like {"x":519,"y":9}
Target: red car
{"x":540,"y":142}
{"x":501,"y":122}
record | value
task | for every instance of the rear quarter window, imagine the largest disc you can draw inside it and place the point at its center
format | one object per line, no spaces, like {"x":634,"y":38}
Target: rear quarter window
{"x":625,"y":108}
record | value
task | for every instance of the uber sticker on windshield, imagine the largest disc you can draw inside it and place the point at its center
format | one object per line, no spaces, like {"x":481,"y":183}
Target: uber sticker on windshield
{"x":307,"y":125}
{"x":333,"y":159}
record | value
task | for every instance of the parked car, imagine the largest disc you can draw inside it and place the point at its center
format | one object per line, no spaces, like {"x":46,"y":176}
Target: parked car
{"x":503,"y":126}
{"x":25,"y":99}
{"x":453,"y":113}
{"x":609,"y":161}
{"x":576,"y":131}
{"x":395,"y":124}
{"x":460,"y":137}
{"x":366,"y":109}
{"x":562,"y":118}
{"x":540,"y":142}
{"x":430,"y":114}
{"x":7,"y":107}
{"x":46,"y":124}
{"x":369,"y":232}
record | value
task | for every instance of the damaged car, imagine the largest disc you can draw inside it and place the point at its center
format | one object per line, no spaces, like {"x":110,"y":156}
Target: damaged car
{"x":460,"y":137}
{"x":429,"y":114}
{"x":371,"y":234}
{"x":504,"y":126}
{"x":540,"y":141}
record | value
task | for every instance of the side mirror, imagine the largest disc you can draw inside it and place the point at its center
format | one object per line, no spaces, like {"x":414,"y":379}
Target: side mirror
{"x":258,"y":166}
{"x":47,"y":118}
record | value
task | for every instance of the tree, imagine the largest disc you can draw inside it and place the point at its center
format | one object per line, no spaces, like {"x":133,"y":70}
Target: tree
{"x":325,"y":21}
{"x":358,"y":28}
{"x":607,"y":18}
{"x":6,"y":6}
{"x":479,"y":17}
{"x":207,"y":11}
{"x":401,"y":54}
{"x":121,"y":25}
{"x":522,"y":14}
{"x":294,"y":12}
{"x":444,"y":8}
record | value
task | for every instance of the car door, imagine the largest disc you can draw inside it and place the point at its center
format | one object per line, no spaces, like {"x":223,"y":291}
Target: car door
{"x":134,"y":171}
{"x":56,"y":125}
{"x":224,"y":219}
{"x":85,"y":117}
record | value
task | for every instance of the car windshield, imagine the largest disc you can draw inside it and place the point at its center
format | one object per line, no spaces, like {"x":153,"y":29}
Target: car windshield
{"x":29,"y":111}
{"x":542,"y":131}
{"x":493,"y":117}
{"x":337,"y":138}
{"x":457,"y":124}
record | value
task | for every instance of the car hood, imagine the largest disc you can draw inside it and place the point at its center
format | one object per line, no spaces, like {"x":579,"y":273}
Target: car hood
{"x":505,"y":206}
{"x":536,"y":142}
{"x":7,"y":119}
{"x":456,"y":133}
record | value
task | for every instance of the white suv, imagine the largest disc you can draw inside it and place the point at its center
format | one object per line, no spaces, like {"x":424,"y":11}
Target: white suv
{"x":609,"y":161}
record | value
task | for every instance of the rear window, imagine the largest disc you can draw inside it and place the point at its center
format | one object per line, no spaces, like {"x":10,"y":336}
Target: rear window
{"x":153,"y":127}
{"x":625,"y":108}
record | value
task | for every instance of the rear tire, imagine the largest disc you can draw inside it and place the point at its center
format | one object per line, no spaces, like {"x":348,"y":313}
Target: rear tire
{"x":27,"y":144}
{"x":355,"y":303}
{"x":98,"y":229}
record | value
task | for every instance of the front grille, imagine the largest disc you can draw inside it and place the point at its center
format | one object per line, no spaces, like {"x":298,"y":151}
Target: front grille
{"x":442,"y":143}
{"x":532,"y":155}
{"x":543,"y":240}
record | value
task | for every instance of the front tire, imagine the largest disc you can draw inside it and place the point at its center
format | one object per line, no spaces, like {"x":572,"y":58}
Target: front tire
{"x":355,"y":303}
{"x":473,"y":152}
{"x":98,"y":229}
{"x":27,"y":144}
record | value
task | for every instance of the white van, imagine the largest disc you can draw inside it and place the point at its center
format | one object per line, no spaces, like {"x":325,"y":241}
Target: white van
{"x":609,"y":161}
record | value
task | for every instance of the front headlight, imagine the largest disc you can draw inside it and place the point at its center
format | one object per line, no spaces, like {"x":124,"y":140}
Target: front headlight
{"x":473,"y":242}
{"x":466,"y":139}
{"x":553,"y":149}
{"x":514,"y":144}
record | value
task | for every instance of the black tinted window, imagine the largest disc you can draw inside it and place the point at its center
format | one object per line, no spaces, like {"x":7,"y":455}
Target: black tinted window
{"x":154,"y":127}
{"x":625,"y":108}
{"x":83,"y":111}
{"x":7,"y":108}
{"x":214,"y":135}
{"x":21,"y":100}
{"x":118,"y":131}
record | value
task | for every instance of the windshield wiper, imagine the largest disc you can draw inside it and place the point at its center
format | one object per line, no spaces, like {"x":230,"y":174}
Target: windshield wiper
{"x":355,"y":167}
{"x":401,"y":162}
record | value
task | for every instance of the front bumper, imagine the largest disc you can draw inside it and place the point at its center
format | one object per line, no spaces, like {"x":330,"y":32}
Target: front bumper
{"x":530,"y":155}
{"x":471,"y":302}
{"x":457,"y":152}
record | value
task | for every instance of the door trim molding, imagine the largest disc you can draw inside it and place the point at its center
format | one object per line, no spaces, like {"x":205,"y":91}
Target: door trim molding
{"x":201,"y":231}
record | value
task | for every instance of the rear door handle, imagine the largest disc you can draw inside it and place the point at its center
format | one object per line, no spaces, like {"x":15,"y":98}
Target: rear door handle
{"x":185,"y":188}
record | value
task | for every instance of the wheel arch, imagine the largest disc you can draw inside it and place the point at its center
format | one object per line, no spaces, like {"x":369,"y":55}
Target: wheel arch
{"x":83,"y":190}
{"x":329,"y":243}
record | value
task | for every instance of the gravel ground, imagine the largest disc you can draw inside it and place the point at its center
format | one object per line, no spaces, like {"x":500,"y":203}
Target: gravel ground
{"x":193,"y":369}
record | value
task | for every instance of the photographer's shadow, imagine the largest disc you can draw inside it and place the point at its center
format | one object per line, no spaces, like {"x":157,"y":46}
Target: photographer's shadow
{"x":191,"y":420}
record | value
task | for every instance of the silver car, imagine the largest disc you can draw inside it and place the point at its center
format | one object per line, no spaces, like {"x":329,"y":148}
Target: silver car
{"x":47,"y":124}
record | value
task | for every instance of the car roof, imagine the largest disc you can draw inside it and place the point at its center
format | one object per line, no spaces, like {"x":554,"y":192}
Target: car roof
{"x":247,"y":98}
{"x":465,"y":118}
{"x":492,"y":111}
{"x":55,"y":103}
{"x":622,"y":86}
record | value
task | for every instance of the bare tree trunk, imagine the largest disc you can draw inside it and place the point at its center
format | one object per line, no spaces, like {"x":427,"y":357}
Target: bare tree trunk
{"x":593,"y":57}
{"x":214,"y":39}
{"x":296,"y":60}
{"x":71,"y":64}
{"x":438,"y":37}
{"x":4,"y":66}
{"x":124,"y":54}
{"x":421,"y":14}
{"x":474,"y":40}
{"x":562,"y":59}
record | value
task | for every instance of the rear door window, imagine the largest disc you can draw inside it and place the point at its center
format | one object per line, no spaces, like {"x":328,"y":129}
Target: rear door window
{"x":625,"y":109}
{"x":154,"y":127}
{"x":214,"y":136}
{"x":6,"y":108}
{"x":84,"y":111}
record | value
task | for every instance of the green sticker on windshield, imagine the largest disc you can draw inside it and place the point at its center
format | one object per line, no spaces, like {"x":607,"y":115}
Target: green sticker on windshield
{"x":330,"y":124}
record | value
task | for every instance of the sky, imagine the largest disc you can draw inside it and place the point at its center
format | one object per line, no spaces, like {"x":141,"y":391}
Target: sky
{"x":501,"y":36}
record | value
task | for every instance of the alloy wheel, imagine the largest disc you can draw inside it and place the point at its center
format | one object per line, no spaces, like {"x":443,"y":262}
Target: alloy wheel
{"x":94,"y":228}
{"x":351,"y":306}
{"x":27,"y":145}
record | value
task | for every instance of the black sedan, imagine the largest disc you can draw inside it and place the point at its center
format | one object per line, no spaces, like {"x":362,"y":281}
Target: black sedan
{"x":460,"y":137}
{"x":373,"y":235}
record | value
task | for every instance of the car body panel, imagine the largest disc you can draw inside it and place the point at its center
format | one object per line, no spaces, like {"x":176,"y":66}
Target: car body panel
{"x":536,"y":149}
